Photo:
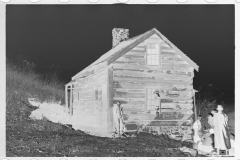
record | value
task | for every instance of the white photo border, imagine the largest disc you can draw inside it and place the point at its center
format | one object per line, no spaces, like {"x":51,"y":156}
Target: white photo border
{"x":3,"y":4}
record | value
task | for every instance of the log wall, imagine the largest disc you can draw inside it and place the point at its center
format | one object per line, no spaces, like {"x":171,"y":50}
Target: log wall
{"x":90,"y":102}
{"x":134,"y":81}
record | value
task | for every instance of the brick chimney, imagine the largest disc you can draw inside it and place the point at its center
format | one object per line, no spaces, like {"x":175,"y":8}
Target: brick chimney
{"x":118,"y":35}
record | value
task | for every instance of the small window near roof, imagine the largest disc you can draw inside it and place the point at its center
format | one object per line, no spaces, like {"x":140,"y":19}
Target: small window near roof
{"x":153,"y":54}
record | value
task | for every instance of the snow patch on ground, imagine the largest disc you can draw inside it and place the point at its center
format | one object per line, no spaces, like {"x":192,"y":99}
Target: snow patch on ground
{"x":52,"y":111}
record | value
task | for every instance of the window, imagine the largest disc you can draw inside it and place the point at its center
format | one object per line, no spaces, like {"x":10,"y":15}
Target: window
{"x":98,"y":94}
{"x":153,"y":54}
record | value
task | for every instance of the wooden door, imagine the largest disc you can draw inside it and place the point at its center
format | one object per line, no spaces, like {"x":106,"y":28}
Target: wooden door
{"x":151,"y":100}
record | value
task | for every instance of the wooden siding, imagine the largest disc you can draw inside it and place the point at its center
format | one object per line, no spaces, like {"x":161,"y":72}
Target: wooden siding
{"x":174,"y":78}
{"x":89,"y":99}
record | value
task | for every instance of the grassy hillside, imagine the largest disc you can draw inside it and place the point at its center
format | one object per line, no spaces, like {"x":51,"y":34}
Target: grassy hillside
{"x":25,"y":137}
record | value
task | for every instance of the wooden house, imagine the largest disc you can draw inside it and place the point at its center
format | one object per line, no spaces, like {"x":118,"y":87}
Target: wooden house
{"x":130,"y":73}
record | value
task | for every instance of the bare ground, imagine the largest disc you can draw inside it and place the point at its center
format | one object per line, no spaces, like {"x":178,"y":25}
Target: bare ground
{"x":28,"y":138}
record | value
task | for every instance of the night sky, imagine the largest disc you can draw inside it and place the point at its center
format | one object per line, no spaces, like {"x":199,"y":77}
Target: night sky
{"x":68,"y":38}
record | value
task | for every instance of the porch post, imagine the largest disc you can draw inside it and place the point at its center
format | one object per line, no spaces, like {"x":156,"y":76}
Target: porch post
{"x":71,"y":99}
{"x":66,"y":95}
{"x":195,"y":108}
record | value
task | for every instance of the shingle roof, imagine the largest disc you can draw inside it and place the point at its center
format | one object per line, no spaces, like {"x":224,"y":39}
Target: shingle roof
{"x":127,"y":45}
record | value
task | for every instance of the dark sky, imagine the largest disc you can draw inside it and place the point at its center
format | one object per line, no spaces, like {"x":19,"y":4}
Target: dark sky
{"x":70,"y":37}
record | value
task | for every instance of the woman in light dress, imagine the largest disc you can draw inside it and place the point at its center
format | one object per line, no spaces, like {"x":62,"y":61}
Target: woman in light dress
{"x":118,"y":118}
{"x":221,"y":131}
{"x":211,"y":123}
{"x":197,"y":132}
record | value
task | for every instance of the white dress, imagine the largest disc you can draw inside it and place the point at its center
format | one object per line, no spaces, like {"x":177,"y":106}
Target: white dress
{"x":221,"y":137}
{"x":196,"y":127}
{"x":118,"y":119}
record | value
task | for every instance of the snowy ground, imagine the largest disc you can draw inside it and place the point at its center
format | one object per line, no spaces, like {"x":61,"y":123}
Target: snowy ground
{"x":52,"y":111}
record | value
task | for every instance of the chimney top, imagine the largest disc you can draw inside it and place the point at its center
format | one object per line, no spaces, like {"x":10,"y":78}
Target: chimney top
{"x":118,"y":35}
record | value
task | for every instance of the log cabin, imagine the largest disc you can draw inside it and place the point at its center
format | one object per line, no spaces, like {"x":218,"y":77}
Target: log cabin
{"x":131,"y":73}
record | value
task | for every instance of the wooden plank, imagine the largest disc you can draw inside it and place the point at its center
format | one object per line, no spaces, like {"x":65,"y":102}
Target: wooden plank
{"x":163,"y":72}
{"x":176,"y":63}
{"x":71,"y":100}
{"x":129,"y":57}
{"x":110,"y":87}
{"x":66,"y":96}
{"x":133,"y":106}
{"x":128,"y":99}
{"x":109,"y":100}
{"x":174,"y":56}
{"x":176,"y":101}
{"x":153,"y":40}
{"x":185,"y":111}
{"x":172,"y":59}
{"x":135,"y":53}
{"x":176,"y":106}
{"x":139,"y":63}
{"x":167,"y":95}
{"x":128,"y":95}
{"x":167,"y":50}
{"x":151,"y":74}
{"x":168,"y":53}
{"x":143,"y":85}
{"x":148,"y":80}
{"x":174,"y":120}
{"x":167,"y":116}
{"x":130,"y":90}
{"x":145,"y":67}
{"x":138,"y":48}
{"x":163,"y":66}
{"x":130,"y":87}
{"x":129,"y":103}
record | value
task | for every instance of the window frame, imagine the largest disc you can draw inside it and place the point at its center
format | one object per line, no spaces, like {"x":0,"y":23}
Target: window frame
{"x":159,"y":55}
{"x":98,"y":94}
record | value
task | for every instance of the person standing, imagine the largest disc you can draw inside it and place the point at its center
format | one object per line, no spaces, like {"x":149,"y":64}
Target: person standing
{"x":197,"y":126}
{"x":118,"y":118}
{"x":221,"y":131}
{"x":211,"y":118}
{"x":211,"y":124}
